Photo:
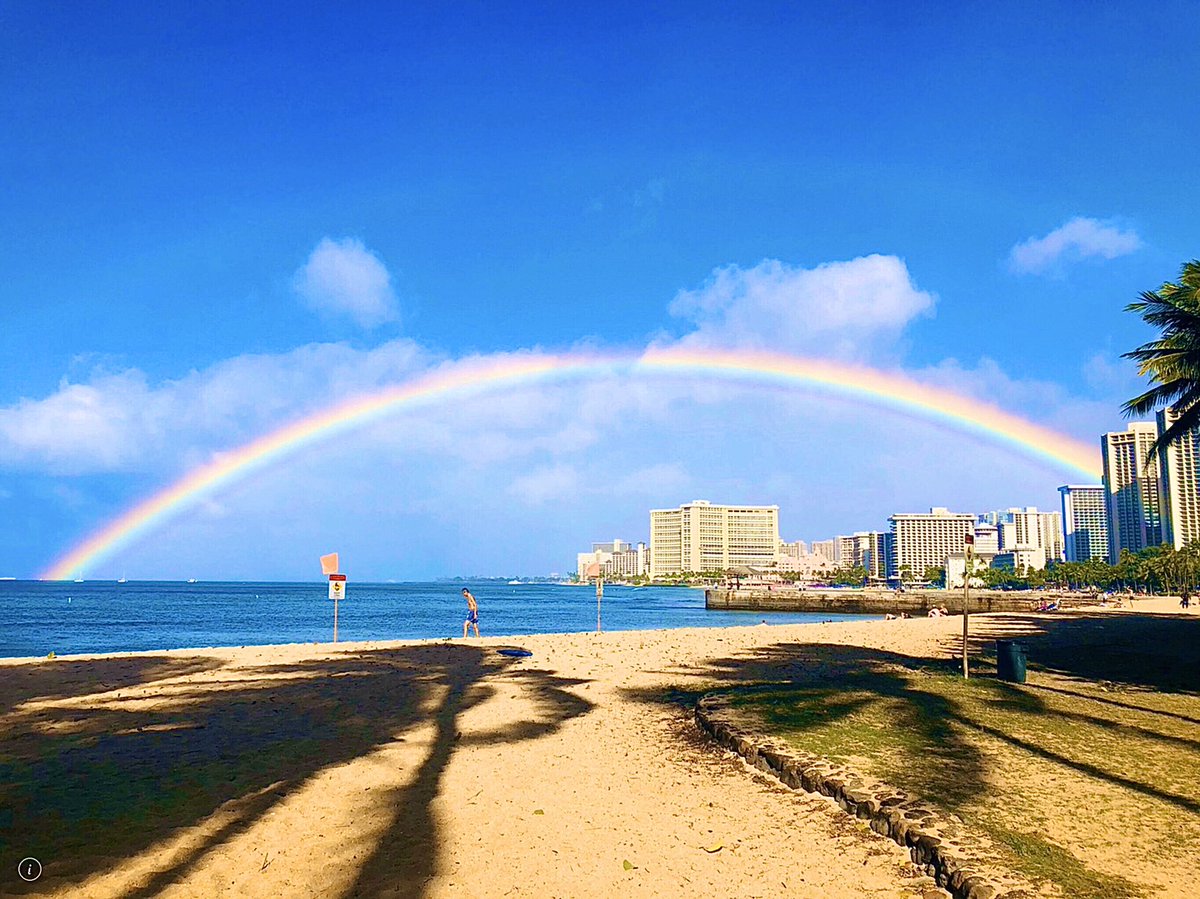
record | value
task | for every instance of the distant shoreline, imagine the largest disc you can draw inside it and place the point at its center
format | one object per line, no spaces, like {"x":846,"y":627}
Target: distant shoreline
{"x":71,"y":619}
{"x":361,"y":645}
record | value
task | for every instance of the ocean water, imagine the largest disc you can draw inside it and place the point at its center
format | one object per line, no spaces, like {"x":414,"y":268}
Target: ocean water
{"x":37,"y":618}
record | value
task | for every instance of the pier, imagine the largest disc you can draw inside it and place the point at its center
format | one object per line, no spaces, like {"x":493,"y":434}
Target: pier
{"x":780,"y":598}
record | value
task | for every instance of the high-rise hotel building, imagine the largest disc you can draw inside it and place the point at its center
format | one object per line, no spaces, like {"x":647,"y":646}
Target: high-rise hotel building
{"x":1027,"y":528}
{"x":1085,"y":521}
{"x":924,"y":540}
{"x":1179,"y":485}
{"x":700,"y":536}
{"x":867,"y":549}
{"x":1131,"y":488}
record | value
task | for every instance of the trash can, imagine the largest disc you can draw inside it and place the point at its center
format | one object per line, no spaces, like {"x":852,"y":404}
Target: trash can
{"x":1010,"y":661}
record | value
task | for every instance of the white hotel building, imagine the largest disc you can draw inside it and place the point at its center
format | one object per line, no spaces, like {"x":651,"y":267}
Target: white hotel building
{"x":865,"y":548}
{"x":1132,"y":488}
{"x":924,"y":540}
{"x":1179,"y":480}
{"x":616,"y":559}
{"x":1027,"y":528}
{"x":1085,"y":521}
{"x":700,"y":536}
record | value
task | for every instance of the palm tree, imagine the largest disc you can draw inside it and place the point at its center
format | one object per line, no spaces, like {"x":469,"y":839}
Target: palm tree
{"x":1173,"y":361}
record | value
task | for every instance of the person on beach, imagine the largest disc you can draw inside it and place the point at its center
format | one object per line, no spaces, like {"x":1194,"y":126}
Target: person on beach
{"x":472,"y":613}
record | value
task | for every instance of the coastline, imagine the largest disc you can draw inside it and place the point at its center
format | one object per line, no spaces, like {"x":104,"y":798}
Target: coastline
{"x":102,"y":618}
{"x":430,"y":767}
{"x":1156,"y":605}
{"x":345,"y":646}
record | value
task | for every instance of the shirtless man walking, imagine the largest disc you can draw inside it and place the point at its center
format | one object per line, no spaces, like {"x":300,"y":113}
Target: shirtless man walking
{"x":472,"y":613}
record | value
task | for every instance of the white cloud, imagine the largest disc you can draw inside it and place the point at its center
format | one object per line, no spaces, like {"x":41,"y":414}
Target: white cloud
{"x":120,"y":422}
{"x":1038,"y":400}
{"x":105,"y":425}
{"x":519,"y":479}
{"x":343,"y":277}
{"x":1109,"y":374}
{"x":852,"y":309}
{"x":544,"y":485}
{"x":832,"y":466}
{"x":1080,"y":238}
{"x":663,"y":478}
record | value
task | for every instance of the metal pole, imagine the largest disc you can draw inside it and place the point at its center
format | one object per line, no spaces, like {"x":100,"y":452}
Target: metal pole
{"x":335,"y":602}
{"x":599,"y":596}
{"x":967,"y":606}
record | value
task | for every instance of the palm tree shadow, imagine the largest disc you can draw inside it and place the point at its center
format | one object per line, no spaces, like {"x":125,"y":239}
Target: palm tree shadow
{"x":808,"y":685}
{"x":808,"y":681}
{"x":93,"y":783}
{"x":405,"y":857}
{"x":1098,"y":647}
{"x":67,"y":678}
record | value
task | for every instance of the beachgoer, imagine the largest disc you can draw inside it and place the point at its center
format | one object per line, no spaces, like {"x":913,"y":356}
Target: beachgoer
{"x":472,"y":613}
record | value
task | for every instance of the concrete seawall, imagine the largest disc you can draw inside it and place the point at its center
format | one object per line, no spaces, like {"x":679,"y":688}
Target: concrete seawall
{"x":915,"y":603}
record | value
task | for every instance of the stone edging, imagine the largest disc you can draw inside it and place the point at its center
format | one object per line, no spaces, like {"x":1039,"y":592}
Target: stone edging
{"x":939,"y":846}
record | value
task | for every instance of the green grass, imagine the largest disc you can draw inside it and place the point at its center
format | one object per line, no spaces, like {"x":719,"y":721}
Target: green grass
{"x":1040,"y":859}
{"x":952,"y":742}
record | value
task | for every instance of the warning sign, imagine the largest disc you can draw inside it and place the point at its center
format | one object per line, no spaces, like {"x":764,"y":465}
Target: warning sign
{"x":337,"y":586}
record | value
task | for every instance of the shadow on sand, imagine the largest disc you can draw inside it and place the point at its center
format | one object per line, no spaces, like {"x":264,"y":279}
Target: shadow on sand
{"x":1151,"y":652}
{"x":89,"y":779}
{"x":802,"y":687}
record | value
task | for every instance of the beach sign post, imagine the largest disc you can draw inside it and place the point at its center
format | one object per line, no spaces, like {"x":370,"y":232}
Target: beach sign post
{"x":337,"y":585}
{"x":593,"y":570}
{"x":969,"y":569}
{"x":337,"y":591}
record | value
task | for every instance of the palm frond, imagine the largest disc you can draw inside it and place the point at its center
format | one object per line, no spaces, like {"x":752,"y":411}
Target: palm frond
{"x":1154,"y":398}
{"x":1172,"y":361}
{"x":1187,"y":422}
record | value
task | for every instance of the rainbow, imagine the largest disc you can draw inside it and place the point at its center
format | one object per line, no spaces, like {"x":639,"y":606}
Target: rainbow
{"x":465,"y":378}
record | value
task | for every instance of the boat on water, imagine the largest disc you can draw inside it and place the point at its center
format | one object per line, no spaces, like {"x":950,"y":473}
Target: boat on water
{"x":191,"y":580}
{"x":79,"y":580}
{"x":516,"y":582}
{"x":121,"y":580}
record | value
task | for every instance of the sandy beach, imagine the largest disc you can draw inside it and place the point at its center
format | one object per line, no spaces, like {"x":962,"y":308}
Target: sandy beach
{"x":425,"y":769}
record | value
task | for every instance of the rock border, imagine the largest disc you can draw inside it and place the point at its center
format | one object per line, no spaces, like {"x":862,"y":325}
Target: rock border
{"x":940,"y":846}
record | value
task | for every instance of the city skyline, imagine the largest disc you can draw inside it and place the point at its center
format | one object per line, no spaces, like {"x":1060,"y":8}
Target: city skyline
{"x":269,"y":221}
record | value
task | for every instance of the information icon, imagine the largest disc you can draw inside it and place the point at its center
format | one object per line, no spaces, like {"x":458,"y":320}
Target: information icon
{"x":29,"y":869}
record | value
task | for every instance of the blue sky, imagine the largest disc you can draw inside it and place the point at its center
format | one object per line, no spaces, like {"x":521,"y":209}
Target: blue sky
{"x":217,"y":220}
